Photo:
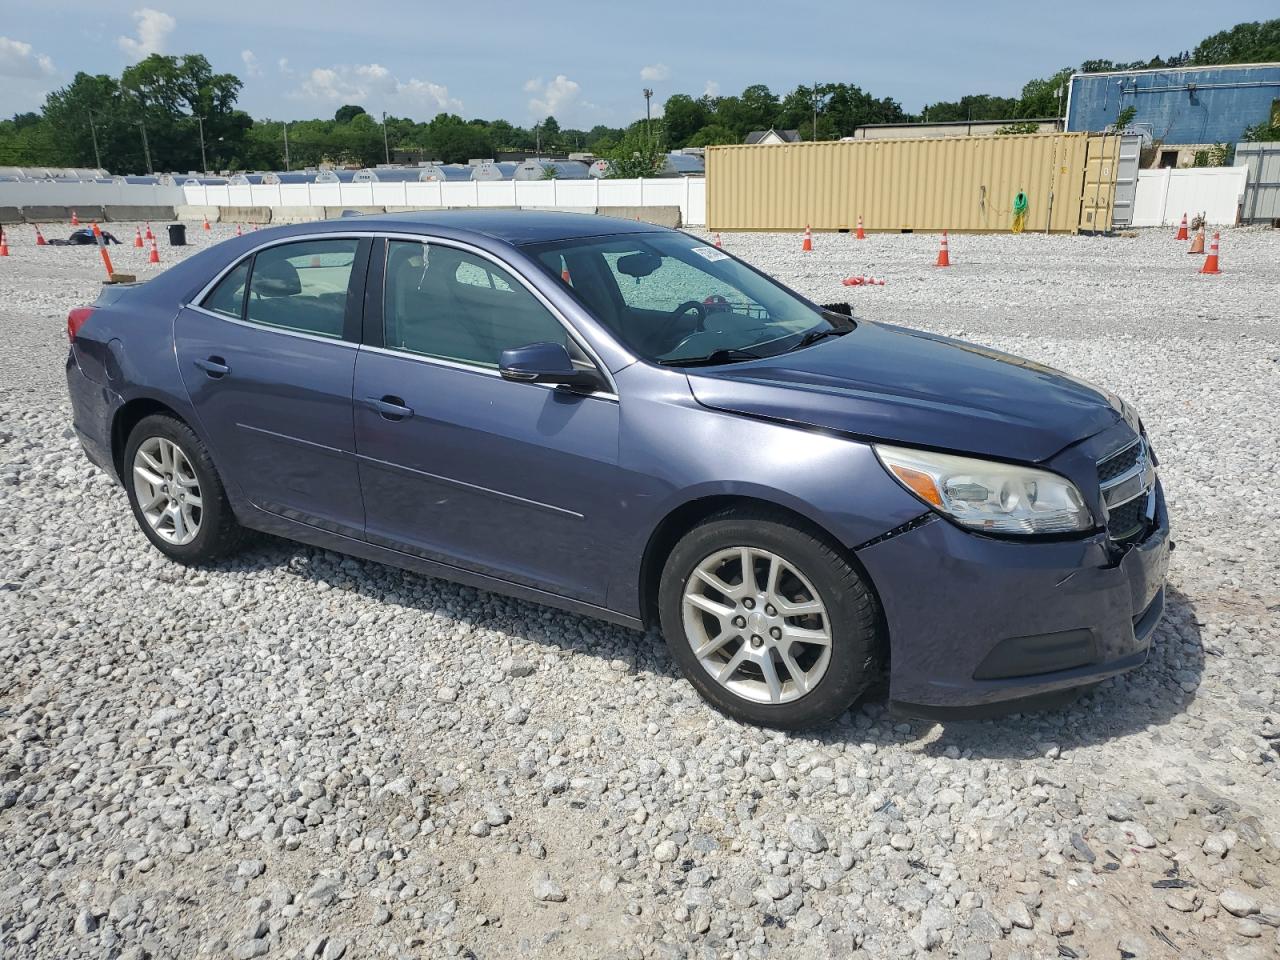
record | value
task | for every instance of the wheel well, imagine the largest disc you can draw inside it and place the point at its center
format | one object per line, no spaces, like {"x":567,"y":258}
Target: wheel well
{"x":128,"y":417}
{"x":687,"y":516}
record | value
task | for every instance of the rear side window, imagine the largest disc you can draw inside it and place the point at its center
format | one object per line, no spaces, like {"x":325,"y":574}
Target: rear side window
{"x":303,"y":286}
{"x":227,"y":298}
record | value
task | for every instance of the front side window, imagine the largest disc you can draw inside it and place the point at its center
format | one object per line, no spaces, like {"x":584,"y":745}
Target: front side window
{"x":303,"y":286}
{"x":674,"y":299}
{"x":446,"y":303}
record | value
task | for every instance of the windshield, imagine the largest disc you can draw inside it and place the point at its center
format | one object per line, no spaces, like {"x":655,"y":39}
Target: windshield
{"x":673,"y":299}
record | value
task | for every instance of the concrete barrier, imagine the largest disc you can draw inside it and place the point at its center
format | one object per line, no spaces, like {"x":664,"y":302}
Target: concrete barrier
{"x":244,"y":214}
{"x":11,"y":215}
{"x":118,"y":214}
{"x":411,"y":209}
{"x":296,"y":214}
{"x":333,"y":213}
{"x":661,"y":216}
{"x":196,"y":213}
{"x":39,"y":214}
{"x":557,"y":209}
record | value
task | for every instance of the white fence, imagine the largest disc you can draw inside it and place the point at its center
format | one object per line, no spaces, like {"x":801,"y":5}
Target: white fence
{"x":1165,"y":195}
{"x":687,"y":193}
{"x":45,"y":193}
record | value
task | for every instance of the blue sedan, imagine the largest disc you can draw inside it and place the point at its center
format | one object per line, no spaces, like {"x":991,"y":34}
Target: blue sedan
{"x":623,"y":421}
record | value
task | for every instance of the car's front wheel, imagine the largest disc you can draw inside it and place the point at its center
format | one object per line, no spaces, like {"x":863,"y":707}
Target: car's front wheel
{"x":769,"y":622}
{"x":175,"y":492}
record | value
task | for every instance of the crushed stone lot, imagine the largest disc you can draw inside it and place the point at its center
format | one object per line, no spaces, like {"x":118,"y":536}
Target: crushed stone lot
{"x":297,"y":754}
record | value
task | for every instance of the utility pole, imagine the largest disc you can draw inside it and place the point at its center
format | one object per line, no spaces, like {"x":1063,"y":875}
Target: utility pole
{"x":286,"y":144}
{"x":815,"y":110}
{"x":204,"y":164}
{"x":648,"y":132}
{"x":386,"y":149}
{"x":146,"y":147}
{"x":537,"y":138}
{"x":93,"y":132}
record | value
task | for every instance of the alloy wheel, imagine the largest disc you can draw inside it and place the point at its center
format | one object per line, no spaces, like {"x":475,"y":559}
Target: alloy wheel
{"x":167,"y":490}
{"x":757,"y":625}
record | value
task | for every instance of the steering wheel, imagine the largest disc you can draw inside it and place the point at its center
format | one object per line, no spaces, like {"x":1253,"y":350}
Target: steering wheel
{"x":679,"y":312}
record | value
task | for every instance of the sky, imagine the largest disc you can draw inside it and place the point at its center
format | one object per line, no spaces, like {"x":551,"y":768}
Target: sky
{"x":585,"y":61}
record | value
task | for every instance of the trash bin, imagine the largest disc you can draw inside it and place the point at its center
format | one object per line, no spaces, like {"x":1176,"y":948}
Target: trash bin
{"x":177,"y":234}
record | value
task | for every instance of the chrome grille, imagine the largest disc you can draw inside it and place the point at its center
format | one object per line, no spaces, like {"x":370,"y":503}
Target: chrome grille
{"x":1127,"y":480}
{"x":1119,"y":462}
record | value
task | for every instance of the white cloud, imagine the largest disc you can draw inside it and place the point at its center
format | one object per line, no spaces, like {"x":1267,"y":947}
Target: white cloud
{"x":655,"y":72}
{"x":712,"y":89}
{"x":18,"y":59}
{"x":553,"y":97}
{"x":251,"y":65}
{"x":154,"y":28}
{"x":373,"y":86}
{"x":283,"y":65}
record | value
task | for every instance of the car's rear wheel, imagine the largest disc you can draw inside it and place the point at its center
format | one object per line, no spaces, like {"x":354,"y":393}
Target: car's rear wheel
{"x":769,"y":622}
{"x":176,"y":494}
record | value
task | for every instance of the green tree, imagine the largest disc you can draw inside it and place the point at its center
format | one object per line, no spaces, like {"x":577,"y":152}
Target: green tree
{"x":1256,"y":42}
{"x":683,"y":116}
{"x":636,"y":155}
{"x":712,"y":135}
{"x":347,"y":112}
{"x":1046,"y":97}
{"x":453,"y":140}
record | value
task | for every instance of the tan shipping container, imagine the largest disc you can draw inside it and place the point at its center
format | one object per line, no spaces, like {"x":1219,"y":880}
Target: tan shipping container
{"x":951,"y":183}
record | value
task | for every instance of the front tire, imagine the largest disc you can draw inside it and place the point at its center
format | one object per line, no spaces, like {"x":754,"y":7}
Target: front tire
{"x":768,"y":620}
{"x":177,"y":497}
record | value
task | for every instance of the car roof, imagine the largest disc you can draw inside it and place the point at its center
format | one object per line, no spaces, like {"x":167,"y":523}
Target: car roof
{"x":515,"y":227}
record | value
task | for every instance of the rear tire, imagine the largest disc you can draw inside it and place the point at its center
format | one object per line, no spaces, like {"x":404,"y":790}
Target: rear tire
{"x":790,"y":656}
{"x":177,"y":497}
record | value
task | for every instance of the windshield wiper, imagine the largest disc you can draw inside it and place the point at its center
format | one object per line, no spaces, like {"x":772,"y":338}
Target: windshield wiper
{"x":813,"y":336}
{"x":723,"y":355}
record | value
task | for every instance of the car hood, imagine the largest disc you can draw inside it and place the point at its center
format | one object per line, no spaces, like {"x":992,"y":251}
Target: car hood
{"x":904,"y":386}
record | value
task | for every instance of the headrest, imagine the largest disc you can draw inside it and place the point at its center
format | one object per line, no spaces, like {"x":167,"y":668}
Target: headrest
{"x":276,"y":278}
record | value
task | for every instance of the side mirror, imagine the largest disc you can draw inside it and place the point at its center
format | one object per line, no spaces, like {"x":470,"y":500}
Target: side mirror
{"x":545,"y":363}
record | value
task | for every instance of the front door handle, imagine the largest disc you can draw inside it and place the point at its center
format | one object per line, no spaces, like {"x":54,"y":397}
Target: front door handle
{"x":215,"y":367}
{"x":390,"y":407}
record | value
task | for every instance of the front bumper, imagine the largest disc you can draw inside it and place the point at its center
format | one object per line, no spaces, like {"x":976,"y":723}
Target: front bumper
{"x":976,"y":622}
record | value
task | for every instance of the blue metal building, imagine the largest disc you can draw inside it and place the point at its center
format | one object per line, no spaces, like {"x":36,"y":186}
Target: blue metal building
{"x":1179,"y":105}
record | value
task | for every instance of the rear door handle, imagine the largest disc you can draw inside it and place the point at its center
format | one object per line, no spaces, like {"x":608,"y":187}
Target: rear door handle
{"x":215,"y":367}
{"x":390,"y":407}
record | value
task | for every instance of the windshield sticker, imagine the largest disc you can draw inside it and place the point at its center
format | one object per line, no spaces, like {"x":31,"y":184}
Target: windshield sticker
{"x":710,"y":253}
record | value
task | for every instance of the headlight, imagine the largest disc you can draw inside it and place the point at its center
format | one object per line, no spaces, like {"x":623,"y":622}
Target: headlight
{"x":987,"y":496}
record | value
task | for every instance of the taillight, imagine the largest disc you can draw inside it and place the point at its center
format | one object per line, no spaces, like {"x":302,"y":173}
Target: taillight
{"x":76,"y":319}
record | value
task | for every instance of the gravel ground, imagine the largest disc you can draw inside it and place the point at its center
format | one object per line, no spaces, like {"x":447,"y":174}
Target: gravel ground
{"x":300,"y":754}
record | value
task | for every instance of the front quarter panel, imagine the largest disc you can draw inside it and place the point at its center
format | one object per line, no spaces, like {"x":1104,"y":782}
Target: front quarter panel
{"x":674,"y":451}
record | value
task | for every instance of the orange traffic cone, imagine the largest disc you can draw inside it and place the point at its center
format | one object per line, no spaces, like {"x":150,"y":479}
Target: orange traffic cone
{"x":944,"y":253}
{"x":40,"y":240}
{"x":75,"y":221}
{"x":564,"y":272}
{"x":807,"y":246}
{"x":238,"y":231}
{"x":155,"y":252}
{"x":1211,"y":261}
{"x":718,"y":243}
{"x":4,"y":244}
{"x":861,"y":234}
{"x":206,"y":223}
{"x":149,"y":234}
{"x":137,"y":237}
{"x":1182,"y":230}
{"x":1197,"y":244}
{"x":102,"y":250}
